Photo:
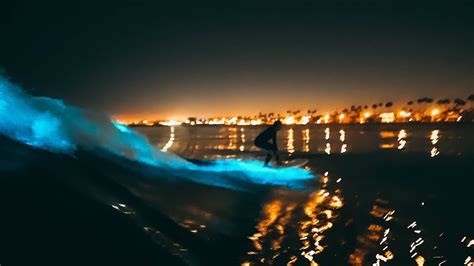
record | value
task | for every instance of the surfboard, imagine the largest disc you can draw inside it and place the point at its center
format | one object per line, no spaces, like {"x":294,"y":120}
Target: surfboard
{"x":291,"y":163}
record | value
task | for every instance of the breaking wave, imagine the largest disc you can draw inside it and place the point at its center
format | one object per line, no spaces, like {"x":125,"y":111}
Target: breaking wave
{"x":52,"y":125}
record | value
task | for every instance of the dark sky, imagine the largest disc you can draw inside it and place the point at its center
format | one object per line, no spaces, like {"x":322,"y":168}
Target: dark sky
{"x":174,"y":59}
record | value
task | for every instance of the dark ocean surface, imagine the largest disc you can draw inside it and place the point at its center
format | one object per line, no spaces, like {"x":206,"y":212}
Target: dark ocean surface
{"x":393,"y":194}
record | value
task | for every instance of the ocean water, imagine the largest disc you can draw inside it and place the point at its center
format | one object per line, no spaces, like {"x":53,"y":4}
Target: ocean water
{"x":395,"y":194}
{"x":237,"y":141}
{"x":378,"y":195}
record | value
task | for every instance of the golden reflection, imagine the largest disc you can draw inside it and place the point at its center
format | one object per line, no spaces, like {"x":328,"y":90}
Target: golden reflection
{"x":434,"y":138}
{"x":232,"y":138}
{"x":376,"y":240}
{"x":271,"y":211}
{"x":470,"y":243}
{"x":387,"y":145}
{"x":343,"y":148}
{"x":193,"y":226}
{"x":402,"y":135}
{"x":242,"y":139}
{"x":328,"y":148}
{"x":414,"y":253}
{"x":342,"y":138}
{"x":342,"y":135}
{"x":327,"y":133}
{"x":335,"y":202}
{"x":276,"y":216}
{"x":280,"y":227}
{"x":170,"y":141}
{"x":319,"y":210}
{"x":387,"y":134}
{"x":469,"y":261}
{"x":279,"y":216}
{"x":293,"y":259}
{"x":306,"y":140}
{"x":290,"y":141}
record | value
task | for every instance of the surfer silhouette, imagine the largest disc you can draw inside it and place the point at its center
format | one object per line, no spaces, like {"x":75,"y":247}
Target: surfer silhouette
{"x":263,"y":142}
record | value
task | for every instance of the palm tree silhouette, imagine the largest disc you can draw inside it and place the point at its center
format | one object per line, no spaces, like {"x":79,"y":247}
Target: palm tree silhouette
{"x":374,"y":107}
{"x":458,"y":102}
{"x":470,"y":99}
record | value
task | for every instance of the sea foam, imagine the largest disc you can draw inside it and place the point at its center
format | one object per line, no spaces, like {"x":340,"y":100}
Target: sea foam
{"x":52,"y":125}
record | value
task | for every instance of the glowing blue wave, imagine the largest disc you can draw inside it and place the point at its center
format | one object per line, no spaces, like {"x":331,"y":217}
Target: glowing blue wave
{"x":52,"y":125}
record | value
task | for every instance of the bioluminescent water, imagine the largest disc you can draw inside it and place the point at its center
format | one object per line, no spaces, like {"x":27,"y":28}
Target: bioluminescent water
{"x":52,"y":125}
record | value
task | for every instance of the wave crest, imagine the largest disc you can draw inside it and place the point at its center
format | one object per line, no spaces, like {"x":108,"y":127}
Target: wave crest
{"x":52,"y":125}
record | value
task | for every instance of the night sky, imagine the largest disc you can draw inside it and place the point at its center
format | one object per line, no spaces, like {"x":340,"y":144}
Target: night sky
{"x":152,"y":59}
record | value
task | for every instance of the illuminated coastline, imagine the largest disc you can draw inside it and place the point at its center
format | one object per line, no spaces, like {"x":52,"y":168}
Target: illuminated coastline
{"x":377,"y":113}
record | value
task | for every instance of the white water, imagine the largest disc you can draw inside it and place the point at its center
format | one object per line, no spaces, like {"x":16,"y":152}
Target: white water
{"x":52,"y":125}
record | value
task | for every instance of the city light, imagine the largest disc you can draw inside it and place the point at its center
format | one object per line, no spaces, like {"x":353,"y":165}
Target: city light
{"x":326,"y":118}
{"x":254,"y":122}
{"x":346,"y":117}
{"x":289,"y":120}
{"x":242,"y":122}
{"x":403,"y":113}
{"x":387,"y":117}
{"x":341,"y":118}
{"x":305,"y":120}
{"x":170,"y":123}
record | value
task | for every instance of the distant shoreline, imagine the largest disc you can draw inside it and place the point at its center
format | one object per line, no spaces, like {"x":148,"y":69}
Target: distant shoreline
{"x":322,"y":125}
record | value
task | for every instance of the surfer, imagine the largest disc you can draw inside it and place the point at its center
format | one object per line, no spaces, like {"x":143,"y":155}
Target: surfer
{"x":263,"y":142}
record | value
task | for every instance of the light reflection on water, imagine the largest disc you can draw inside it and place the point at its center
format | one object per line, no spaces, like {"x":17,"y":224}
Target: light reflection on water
{"x":301,"y":228}
{"x":290,"y":139}
{"x":306,"y":140}
{"x":402,"y":135}
{"x":342,"y":132}
{"x":434,"y":137}
{"x":170,"y":141}
{"x":232,"y":138}
{"x":242,"y":138}
{"x":311,"y":216}
{"x":211,"y":141}
{"x":327,"y":135}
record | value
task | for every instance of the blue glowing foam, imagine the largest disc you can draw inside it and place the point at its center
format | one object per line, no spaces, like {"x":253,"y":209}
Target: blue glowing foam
{"x":52,"y":125}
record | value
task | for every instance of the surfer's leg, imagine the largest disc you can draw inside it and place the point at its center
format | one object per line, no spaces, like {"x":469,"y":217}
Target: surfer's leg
{"x":267,"y":147}
{"x":277,"y":158}
{"x":268,"y":159}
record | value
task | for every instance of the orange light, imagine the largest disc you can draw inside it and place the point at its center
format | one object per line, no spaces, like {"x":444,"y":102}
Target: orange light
{"x":326,"y":118}
{"x":305,"y":119}
{"x":387,"y":117}
{"x":289,"y":120}
{"x":404,"y":113}
{"x":341,"y":118}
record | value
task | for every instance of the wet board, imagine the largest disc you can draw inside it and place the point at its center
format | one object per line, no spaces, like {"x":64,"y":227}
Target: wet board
{"x":291,"y":163}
